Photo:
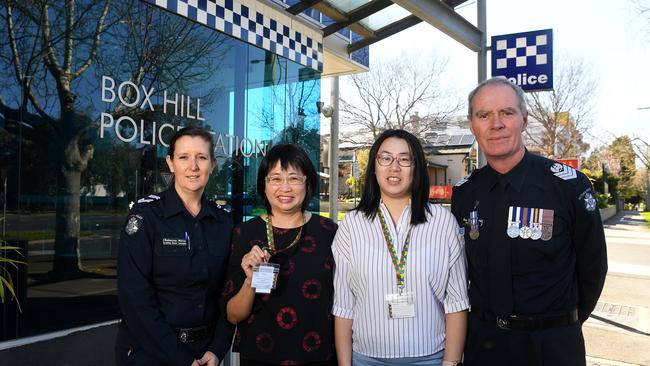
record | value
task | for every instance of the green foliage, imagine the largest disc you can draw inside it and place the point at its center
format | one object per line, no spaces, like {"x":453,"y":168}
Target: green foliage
{"x":646,"y":217}
{"x":603,"y":200}
{"x":6,"y":283}
{"x":623,"y":150}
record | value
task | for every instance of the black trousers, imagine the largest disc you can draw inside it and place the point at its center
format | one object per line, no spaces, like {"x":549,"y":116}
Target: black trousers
{"x":127,"y":353}
{"x":487,"y":345}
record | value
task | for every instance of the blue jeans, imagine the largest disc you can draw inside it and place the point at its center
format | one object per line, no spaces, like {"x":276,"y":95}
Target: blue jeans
{"x":430,"y":360}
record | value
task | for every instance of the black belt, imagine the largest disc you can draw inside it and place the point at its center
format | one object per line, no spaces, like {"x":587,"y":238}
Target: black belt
{"x":188,"y":335}
{"x":527,"y":322}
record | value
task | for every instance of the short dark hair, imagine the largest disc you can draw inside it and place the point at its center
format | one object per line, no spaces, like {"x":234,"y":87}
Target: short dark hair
{"x":192,"y":131}
{"x":371,"y":195}
{"x":287,"y":155}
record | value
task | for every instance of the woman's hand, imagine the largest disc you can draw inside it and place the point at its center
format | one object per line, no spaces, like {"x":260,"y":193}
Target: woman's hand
{"x":250,"y":260}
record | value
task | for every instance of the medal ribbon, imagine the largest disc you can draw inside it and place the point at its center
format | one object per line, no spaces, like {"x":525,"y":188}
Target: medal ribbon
{"x":400,"y":266}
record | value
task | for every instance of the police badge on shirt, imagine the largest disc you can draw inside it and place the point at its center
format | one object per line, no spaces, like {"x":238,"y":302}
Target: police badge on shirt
{"x":587,"y":197}
{"x":133,"y":224}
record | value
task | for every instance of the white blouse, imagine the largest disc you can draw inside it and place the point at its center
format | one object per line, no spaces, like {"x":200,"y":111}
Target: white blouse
{"x":435,"y":273}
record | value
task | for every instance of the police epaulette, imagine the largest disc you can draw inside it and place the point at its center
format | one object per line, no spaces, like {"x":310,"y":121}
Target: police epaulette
{"x":150,"y":198}
{"x":563,"y":171}
{"x":465,"y":179}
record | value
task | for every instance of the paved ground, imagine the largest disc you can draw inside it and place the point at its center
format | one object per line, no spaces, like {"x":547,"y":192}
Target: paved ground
{"x":618,"y":333}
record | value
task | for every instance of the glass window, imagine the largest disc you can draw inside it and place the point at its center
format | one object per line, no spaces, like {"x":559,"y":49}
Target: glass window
{"x":76,"y":152}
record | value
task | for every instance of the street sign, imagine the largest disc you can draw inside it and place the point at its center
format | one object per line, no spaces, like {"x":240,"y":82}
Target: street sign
{"x":526,"y":59}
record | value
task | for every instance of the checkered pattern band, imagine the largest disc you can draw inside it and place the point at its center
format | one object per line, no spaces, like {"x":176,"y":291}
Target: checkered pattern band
{"x":237,"y":20}
{"x":523,"y":51}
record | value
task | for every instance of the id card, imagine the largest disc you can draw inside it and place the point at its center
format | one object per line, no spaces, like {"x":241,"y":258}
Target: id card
{"x":265,"y":277}
{"x":401,"y":306}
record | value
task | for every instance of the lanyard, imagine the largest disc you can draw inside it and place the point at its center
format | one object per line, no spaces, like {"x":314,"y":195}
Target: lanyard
{"x":270,"y":240}
{"x":400,"y":265}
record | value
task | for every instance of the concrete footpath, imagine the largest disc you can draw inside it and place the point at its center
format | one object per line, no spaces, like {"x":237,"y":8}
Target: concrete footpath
{"x":618,"y":333}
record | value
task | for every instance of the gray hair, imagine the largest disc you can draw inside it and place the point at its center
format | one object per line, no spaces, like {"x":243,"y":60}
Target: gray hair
{"x":498,"y":80}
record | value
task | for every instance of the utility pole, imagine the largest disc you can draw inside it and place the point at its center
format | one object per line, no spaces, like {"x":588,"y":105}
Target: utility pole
{"x":644,"y":157}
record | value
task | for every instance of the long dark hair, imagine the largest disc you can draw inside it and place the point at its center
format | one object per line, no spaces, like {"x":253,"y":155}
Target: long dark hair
{"x":371,"y":194}
{"x":287,"y":155}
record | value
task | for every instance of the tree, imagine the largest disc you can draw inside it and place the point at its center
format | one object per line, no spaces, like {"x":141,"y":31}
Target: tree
{"x":51,"y":47}
{"x":623,"y":150}
{"x":559,"y":117}
{"x":394,"y":93}
{"x":642,"y":151}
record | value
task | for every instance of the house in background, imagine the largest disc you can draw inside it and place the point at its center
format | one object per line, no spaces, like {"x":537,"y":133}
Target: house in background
{"x":450,"y":158}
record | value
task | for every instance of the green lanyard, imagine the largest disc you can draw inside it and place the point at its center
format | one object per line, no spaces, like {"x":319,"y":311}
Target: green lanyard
{"x":400,"y":266}
{"x":271,"y":242}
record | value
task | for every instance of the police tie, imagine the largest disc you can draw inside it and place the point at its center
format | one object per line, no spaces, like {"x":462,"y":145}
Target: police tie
{"x":500,"y":274}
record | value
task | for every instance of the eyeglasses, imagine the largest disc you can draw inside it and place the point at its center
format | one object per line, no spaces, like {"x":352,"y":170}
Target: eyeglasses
{"x":403,"y":160}
{"x":293,"y":180}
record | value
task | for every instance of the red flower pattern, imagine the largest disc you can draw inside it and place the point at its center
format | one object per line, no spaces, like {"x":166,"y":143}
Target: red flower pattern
{"x":311,"y":289}
{"x":264,"y":342}
{"x":287,"y":318}
{"x":311,"y":342}
{"x":308,"y":244}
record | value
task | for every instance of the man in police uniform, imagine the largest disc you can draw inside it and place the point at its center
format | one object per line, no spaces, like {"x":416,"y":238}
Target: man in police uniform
{"x":534,"y":241}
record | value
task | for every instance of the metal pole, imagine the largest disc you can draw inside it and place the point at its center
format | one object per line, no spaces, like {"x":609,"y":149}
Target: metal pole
{"x":481,"y":20}
{"x":4,"y":206}
{"x":334,"y":151}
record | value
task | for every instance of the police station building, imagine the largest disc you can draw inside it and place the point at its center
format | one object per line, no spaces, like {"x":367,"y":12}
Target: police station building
{"x":91,"y":92}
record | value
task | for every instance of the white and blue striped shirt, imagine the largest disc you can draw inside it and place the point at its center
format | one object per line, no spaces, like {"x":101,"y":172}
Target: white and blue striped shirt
{"x":435,"y":272}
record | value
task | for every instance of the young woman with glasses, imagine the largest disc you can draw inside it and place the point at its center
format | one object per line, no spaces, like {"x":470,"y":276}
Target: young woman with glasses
{"x":279,"y":289}
{"x":400,"y":282}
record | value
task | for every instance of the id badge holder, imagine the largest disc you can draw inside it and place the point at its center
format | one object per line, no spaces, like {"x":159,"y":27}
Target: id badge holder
{"x":265,"y":277}
{"x":401,"y":305}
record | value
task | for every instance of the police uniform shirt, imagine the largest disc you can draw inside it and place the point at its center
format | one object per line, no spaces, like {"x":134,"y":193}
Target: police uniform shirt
{"x":548,"y":276}
{"x":171,"y":267}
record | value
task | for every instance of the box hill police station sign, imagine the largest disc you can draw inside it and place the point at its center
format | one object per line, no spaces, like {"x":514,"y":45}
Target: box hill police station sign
{"x":525,"y":59}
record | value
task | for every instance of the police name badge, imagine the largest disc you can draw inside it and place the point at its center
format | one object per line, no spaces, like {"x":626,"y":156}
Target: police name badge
{"x":133,"y":224}
{"x":401,"y":305}
{"x":265,"y":277}
{"x":513,"y":222}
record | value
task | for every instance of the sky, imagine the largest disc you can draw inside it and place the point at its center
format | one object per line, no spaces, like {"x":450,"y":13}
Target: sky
{"x":609,"y":36}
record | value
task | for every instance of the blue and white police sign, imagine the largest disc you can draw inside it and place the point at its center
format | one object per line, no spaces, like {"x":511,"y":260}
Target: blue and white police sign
{"x":525,"y":59}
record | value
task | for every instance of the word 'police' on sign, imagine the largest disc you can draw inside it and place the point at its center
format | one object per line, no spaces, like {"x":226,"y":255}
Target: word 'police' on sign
{"x":526,"y":59}
{"x":147,"y":131}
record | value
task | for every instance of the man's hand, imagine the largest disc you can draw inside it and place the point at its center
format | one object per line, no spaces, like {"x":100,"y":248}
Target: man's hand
{"x":209,"y":359}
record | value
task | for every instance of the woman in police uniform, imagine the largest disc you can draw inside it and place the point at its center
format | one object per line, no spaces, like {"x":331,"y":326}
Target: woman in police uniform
{"x":171,"y":266}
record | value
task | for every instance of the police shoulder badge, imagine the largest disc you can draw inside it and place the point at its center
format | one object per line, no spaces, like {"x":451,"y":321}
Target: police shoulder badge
{"x":133,"y":224}
{"x":563,"y":171}
{"x":589,"y":200}
{"x":462,"y":181}
{"x":150,"y":198}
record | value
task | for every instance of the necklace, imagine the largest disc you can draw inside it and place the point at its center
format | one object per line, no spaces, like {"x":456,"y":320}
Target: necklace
{"x":271,"y":241}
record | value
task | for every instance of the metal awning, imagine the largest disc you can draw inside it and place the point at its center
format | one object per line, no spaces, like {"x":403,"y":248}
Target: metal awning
{"x":374,"y":20}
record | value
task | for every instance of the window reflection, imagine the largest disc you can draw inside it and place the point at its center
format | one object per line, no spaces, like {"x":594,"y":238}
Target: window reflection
{"x":75,"y":157}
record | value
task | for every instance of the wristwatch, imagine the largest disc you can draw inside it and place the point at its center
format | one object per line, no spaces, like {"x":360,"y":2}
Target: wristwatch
{"x":452,"y":363}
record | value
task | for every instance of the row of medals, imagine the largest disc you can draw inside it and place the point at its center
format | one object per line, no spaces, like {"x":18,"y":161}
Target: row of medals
{"x":514,"y":230}
{"x":534,"y":231}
